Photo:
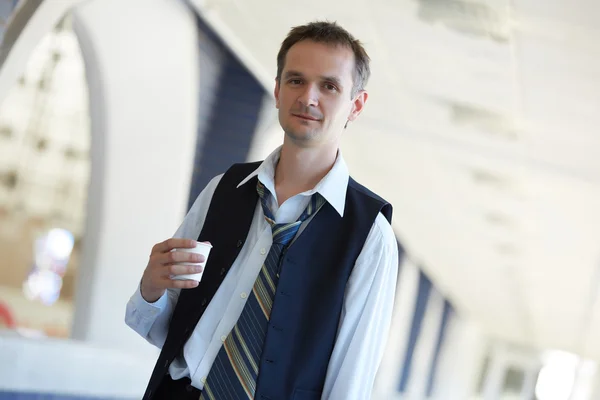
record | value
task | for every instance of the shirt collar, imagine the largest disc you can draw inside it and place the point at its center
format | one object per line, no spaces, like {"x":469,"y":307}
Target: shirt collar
{"x":332,"y":187}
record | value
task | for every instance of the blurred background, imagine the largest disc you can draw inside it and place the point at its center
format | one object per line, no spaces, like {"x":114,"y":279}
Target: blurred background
{"x":481,"y":130}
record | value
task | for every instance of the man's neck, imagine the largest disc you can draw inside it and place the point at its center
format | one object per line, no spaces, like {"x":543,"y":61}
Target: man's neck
{"x":301,"y":169}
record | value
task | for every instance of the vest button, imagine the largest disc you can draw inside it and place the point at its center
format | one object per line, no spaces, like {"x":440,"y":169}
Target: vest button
{"x":240,"y":243}
{"x":222,"y":271}
{"x":203,"y":303}
{"x":189,"y":388}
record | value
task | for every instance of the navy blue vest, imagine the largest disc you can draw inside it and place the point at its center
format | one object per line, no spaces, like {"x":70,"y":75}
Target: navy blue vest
{"x":310,"y":293}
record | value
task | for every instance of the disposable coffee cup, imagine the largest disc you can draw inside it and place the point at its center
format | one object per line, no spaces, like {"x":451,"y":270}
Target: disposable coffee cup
{"x":201,"y":248}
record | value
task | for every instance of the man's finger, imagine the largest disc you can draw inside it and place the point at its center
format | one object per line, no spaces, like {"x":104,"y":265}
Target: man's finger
{"x":183,"y":284}
{"x":179,"y":257}
{"x":177,"y":269}
{"x":173,"y":243}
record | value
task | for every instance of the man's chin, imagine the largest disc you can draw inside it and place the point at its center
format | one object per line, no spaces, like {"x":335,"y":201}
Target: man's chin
{"x":301,"y":136}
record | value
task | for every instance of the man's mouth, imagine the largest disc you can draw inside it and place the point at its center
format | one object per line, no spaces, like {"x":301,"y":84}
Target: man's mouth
{"x":306,"y":117}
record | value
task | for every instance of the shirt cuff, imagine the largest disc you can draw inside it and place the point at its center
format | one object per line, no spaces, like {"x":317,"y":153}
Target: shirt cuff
{"x":145,"y":309}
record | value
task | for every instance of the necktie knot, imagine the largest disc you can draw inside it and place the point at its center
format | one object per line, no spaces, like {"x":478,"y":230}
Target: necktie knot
{"x":284,"y":233}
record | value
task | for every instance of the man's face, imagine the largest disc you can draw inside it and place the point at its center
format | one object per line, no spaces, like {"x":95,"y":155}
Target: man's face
{"x":314,"y":93}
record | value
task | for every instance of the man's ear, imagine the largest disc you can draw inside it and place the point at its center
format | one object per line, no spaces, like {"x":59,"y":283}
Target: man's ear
{"x":276,"y":93}
{"x":358,"y":104}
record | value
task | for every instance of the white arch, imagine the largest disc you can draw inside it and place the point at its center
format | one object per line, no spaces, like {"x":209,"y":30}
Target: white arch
{"x":142,"y":71}
{"x":141,"y":60}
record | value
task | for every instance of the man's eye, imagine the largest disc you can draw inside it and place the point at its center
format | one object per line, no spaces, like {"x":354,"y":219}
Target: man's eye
{"x":330,"y":87}
{"x":295,"y":81}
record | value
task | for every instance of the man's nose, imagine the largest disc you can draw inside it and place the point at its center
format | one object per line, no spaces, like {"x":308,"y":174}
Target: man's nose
{"x":310,"y":96}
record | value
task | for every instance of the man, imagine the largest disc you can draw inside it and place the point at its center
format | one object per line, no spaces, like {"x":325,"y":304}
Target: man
{"x":296,"y":297}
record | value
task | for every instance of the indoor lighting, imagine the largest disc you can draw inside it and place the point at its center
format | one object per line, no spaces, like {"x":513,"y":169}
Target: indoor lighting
{"x":557,"y":376}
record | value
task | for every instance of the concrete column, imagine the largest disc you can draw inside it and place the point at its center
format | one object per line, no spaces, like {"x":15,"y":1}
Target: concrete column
{"x":388,"y":376}
{"x":425,"y":348}
{"x":461,"y":360}
{"x":141,"y":59}
{"x":586,"y":385}
{"x":494,"y":380}
{"x":528,"y":389}
{"x":594,"y":388}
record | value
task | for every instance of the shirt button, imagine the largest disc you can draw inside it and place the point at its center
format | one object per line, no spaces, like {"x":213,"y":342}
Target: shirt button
{"x":223,"y":338}
{"x":243,"y":295}
{"x":263,"y":251}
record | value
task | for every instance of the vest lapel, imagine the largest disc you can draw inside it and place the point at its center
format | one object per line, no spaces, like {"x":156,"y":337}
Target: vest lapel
{"x":226,"y":227}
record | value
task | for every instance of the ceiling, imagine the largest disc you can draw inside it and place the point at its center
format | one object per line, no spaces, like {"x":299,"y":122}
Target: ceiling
{"x":481,"y":130}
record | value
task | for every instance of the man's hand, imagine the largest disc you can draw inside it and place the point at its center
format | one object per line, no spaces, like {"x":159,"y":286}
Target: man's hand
{"x":162,"y":265}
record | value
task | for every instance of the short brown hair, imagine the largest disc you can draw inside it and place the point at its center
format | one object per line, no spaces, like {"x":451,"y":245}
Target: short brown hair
{"x":333,"y":34}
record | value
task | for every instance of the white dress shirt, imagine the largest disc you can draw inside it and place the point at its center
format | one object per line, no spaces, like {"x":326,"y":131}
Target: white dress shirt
{"x":368,"y":299}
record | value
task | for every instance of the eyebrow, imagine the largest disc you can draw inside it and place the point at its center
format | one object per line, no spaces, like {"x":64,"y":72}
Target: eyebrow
{"x":295,"y":74}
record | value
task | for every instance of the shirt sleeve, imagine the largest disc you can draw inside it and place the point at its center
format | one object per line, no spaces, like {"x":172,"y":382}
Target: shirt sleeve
{"x":151,"y":320}
{"x":366,"y":317}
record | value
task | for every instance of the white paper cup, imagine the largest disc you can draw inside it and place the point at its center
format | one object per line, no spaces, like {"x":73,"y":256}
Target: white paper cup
{"x":201,"y":248}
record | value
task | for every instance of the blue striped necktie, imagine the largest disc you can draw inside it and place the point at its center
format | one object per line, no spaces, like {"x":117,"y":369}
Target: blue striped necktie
{"x":235,"y":370}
